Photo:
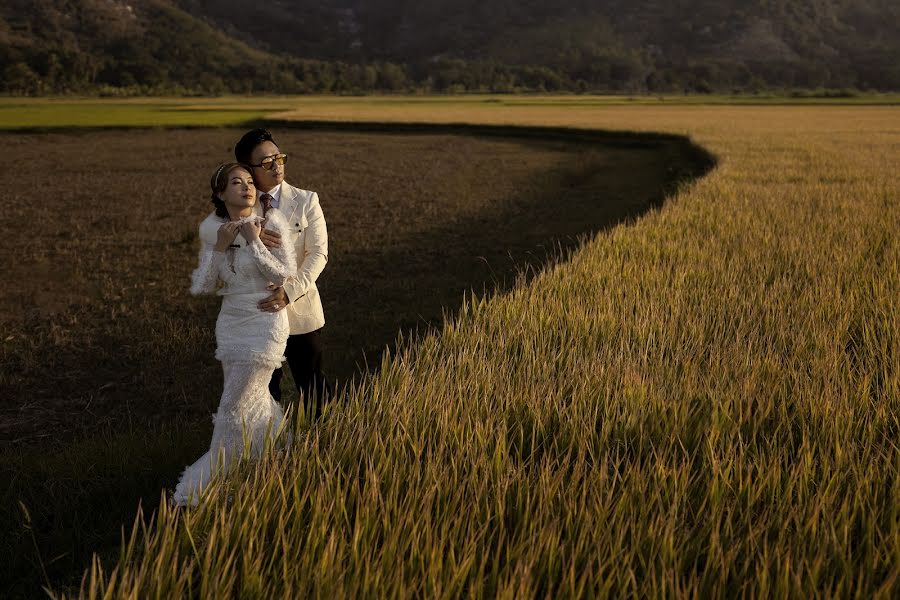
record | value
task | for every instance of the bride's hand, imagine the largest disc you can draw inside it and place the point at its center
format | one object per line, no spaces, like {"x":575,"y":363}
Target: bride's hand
{"x":250,"y":230}
{"x":227,"y":232}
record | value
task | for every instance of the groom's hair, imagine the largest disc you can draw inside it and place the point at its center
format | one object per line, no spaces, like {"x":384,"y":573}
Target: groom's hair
{"x":253,"y":138}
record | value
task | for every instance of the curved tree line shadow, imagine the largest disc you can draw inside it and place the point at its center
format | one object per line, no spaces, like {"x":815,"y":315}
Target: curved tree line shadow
{"x":430,"y":274}
{"x":415,"y":283}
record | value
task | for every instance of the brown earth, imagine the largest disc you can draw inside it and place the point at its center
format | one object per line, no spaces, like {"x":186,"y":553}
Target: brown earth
{"x":99,"y":243}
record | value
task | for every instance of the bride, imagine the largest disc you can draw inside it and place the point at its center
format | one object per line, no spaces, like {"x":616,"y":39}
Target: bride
{"x":250,"y":342}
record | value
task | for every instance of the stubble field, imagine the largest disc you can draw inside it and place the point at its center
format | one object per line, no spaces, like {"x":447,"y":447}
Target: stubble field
{"x":701,"y":402}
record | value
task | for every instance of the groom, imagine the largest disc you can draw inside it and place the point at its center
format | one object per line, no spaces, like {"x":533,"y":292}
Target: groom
{"x":299,"y":296}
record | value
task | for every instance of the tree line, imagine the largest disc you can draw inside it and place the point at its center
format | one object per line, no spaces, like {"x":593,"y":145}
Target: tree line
{"x":94,"y":46}
{"x":51,"y":73}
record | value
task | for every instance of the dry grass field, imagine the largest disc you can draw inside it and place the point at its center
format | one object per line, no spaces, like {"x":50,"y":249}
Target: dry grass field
{"x":108,"y":370}
{"x":704,"y":401}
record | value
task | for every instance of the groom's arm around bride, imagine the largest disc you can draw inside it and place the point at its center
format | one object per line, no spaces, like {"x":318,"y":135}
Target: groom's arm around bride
{"x":300,"y":295}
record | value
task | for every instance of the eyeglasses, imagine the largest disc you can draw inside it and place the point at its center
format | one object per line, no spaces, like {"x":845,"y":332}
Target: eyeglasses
{"x":269,"y":162}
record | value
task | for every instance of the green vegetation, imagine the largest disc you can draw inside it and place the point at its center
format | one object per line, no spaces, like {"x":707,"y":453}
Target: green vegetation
{"x":704,"y":402}
{"x":448,"y":46}
{"x":66,"y":114}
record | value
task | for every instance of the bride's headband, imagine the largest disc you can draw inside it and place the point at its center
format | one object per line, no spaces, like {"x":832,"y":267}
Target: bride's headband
{"x":218,"y":172}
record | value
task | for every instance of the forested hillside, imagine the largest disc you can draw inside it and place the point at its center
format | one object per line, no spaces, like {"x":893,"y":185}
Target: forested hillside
{"x":51,"y":46}
{"x":211,"y":46}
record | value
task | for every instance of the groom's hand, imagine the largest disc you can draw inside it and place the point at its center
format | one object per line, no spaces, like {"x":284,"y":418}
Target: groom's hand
{"x":271,"y":239}
{"x":275,"y":302}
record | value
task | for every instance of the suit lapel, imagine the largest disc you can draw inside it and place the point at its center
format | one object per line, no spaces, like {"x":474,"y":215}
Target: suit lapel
{"x":289,"y":202}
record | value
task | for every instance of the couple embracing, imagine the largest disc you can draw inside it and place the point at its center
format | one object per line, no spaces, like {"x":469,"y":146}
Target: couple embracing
{"x":262,"y":250}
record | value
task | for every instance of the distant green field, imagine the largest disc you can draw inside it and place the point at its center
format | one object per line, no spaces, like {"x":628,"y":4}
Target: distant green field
{"x":64,"y":114}
{"x":54,"y":113}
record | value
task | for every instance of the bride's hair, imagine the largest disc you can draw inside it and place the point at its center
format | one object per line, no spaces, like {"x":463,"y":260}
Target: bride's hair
{"x":219,"y":181}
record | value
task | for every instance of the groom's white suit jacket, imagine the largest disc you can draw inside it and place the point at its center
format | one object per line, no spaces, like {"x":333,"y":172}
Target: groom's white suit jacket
{"x":307,"y":232}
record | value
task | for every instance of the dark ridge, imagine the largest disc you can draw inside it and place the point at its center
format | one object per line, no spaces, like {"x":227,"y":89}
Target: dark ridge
{"x":494,"y":260}
{"x":567,"y":134}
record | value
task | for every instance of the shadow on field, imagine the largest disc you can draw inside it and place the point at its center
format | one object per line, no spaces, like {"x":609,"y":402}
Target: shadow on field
{"x":110,"y":376}
{"x":414,"y":281}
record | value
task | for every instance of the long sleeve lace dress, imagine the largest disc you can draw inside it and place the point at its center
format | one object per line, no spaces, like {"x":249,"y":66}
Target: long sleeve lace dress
{"x":250,"y":344}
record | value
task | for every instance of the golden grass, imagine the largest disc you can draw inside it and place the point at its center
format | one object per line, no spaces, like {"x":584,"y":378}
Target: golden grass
{"x":703,"y":403}
{"x":72,"y":112}
{"x":108,"y":376}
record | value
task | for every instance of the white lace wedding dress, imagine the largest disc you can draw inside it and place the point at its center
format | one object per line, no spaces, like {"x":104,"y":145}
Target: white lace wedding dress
{"x":250,"y":345}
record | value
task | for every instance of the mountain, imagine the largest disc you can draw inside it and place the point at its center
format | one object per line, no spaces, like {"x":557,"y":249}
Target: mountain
{"x":444,"y":45}
{"x":58,"y":46}
{"x":607,"y":44}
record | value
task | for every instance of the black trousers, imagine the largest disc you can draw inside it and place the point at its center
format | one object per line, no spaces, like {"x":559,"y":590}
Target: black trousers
{"x":304,"y":357}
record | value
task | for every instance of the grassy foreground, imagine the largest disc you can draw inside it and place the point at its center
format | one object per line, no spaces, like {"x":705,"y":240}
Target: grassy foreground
{"x":704,"y":402}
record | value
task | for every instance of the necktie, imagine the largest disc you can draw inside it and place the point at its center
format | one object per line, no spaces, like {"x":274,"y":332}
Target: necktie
{"x":266,"y":200}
